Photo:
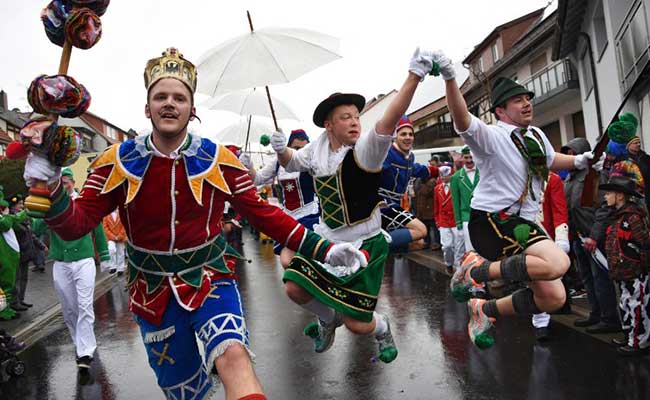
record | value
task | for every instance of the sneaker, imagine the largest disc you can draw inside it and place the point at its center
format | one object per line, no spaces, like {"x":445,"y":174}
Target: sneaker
{"x":14,"y":346}
{"x":322,"y":333}
{"x":387,"y":348}
{"x":603,"y":327}
{"x":462,"y":282}
{"x":83,"y":363}
{"x":479,"y":324}
{"x":628,"y":351}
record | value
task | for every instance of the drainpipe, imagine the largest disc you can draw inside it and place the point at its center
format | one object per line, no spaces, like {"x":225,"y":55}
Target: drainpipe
{"x":595,"y":81}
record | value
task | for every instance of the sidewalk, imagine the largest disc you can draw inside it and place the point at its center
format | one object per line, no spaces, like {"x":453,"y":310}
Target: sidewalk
{"x":579,"y":307}
{"x":41,"y":293}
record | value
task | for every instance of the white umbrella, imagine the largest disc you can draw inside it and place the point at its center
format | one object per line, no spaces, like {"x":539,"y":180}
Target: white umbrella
{"x":262,"y":58}
{"x":250,"y":102}
{"x":246,"y":130}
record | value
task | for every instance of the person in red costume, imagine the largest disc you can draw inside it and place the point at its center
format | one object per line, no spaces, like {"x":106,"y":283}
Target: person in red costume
{"x":554,"y":218}
{"x":170,"y":188}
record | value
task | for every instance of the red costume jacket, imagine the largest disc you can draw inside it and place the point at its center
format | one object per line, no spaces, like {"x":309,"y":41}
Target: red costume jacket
{"x":555,"y":214}
{"x":443,"y":207}
{"x":171,"y":210}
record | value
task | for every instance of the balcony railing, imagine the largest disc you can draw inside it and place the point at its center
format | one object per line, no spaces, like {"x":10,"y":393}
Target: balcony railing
{"x":552,"y":79}
{"x":441,"y":130}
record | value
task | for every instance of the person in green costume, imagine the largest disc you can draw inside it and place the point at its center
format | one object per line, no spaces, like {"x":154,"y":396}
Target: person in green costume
{"x":73,"y":273}
{"x":9,"y":253}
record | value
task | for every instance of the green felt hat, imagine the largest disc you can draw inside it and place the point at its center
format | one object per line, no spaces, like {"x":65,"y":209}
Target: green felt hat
{"x":67,"y":172}
{"x":505,"y":88}
{"x":465,"y":150}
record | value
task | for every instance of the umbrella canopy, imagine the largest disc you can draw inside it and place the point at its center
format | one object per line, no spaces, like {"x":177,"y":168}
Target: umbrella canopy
{"x":264,"y":57}
{"x":250,"y":102}
{"x":237,"y":133}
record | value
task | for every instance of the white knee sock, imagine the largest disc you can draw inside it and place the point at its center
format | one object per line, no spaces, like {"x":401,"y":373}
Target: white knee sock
{"x":322,"y":311}
{"x":380,"y":325}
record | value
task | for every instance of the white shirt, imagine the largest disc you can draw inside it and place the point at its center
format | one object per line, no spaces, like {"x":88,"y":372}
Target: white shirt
{"x":266,"y":175}
{"x":504,"y":172}
{"x":174,"y":154}
{"x":470,"y":173}
{"x":371,"y":150}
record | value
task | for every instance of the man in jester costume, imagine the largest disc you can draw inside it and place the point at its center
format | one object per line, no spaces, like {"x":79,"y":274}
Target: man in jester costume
{"x":398,"y":169}
{"x":298,"y":197}
{"x":514,"y":159}
{"x":346,"y":168}
{"x":170,"y":188}
{"x":9,"y":254}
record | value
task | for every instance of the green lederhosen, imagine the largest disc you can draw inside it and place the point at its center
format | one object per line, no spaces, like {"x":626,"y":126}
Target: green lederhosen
{"x":353,"y":295}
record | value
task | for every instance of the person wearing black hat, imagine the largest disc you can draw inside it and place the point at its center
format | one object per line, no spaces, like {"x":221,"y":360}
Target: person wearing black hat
{"x":346,"y":166}
{"x":514,"y":159}
{"x":628,"y":254}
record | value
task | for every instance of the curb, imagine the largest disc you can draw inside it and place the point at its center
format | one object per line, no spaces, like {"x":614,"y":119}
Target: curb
{"x":34,"y":331}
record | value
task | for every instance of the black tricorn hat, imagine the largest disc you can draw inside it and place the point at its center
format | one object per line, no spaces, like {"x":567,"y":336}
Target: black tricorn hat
{"x":505,"y":88}
{"x":620,"y":184}
{"x":335,"y":100}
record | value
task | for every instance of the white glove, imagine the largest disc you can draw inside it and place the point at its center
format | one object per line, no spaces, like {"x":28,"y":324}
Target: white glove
{"x":279,"y":142}
{"x":446,"y":66}
{"x":563,"y":244}
{"x":582,"y":160}
{"x":37,"y":167}
{"x":344,"y":254}
{"x":598,"y":165}
{"x":421,"y":63}
{"x":246,"y":161}
{"x":444,"y":170}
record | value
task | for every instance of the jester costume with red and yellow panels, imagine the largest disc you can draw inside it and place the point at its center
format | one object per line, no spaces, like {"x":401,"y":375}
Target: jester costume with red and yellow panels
{"x":174,"y":213}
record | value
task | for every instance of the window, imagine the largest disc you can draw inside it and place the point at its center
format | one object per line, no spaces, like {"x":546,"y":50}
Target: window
{"x":632,"y":46}
{"x":495,"y":52}
{"x":538,"y":64}
{"x":444,"y":118}
{"x":587,"y":79}
{"x":600,"y":30}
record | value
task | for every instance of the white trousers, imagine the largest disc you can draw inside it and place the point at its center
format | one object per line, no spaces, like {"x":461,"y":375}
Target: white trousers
{"x":116,"y":250}
{"x":468,"y":242}
{"x":453,"y":246}
{"x":75,"y":285}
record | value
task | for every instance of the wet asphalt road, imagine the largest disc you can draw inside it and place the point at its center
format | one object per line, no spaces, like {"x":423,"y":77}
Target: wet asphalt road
{"x":436,"y":359}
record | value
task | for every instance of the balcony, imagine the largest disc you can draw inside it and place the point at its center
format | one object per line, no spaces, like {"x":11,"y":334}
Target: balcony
{"x":435,"y":135}
{"x":552,"y":80}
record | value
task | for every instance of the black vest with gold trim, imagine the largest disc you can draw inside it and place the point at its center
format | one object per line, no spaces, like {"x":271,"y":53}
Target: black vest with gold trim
{"x":350,"y":196}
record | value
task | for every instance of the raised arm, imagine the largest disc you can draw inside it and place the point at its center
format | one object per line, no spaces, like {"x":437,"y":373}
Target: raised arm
{"x":457,"y":106}
{"x":420,"y":65}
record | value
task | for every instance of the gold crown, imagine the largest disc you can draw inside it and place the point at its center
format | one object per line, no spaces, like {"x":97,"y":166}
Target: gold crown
{"x":170,"y":65}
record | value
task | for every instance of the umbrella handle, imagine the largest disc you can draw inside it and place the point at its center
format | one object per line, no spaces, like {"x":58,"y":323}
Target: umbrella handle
{"x":268,"y":95}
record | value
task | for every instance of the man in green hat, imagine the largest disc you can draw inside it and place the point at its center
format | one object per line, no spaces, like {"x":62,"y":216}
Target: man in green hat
{"x":9,"y":254}
{"x":462,"y":186}
{"x":514,"y":158}
{"x":73,"y":273}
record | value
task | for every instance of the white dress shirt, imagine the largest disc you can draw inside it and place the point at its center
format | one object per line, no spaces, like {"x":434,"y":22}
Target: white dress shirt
{"x":504,"y":171}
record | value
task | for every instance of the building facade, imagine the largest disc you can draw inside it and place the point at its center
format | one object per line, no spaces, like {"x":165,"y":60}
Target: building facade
{"x":609,"y":42}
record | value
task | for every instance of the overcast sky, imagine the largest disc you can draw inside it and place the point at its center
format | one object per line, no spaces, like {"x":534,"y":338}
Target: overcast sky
{"x":376,"y":44}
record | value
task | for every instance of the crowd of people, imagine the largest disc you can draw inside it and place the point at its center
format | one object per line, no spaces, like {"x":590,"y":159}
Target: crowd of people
{"x":499,"y":214}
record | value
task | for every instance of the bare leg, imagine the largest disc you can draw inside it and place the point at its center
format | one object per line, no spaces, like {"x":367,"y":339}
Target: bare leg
{"x":544,"y":262}
{"x":417,"y":229}
{"x":236,"y":372}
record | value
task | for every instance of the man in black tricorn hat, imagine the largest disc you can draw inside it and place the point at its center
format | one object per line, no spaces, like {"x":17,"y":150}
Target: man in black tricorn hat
{"x":514,"y":159}
{"x":346,"y":166}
